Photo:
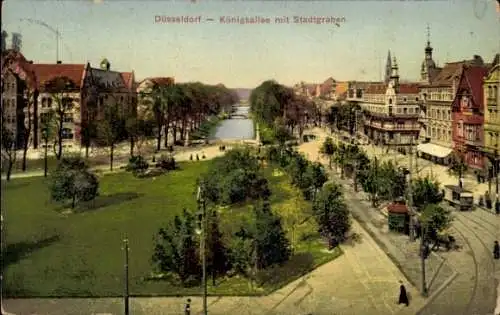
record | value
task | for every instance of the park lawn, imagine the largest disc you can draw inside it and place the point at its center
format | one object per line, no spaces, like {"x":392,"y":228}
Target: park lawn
{"x":50,"y":253}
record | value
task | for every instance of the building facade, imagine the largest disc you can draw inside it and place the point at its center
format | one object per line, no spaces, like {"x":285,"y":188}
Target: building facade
{"x":83,"y":87}
{"x":491,"y":96}
{"x":390,"y":110}
{"x":468,"y":116}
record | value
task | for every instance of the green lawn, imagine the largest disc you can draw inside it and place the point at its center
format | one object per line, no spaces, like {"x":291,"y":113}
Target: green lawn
{"x":50,"y":253}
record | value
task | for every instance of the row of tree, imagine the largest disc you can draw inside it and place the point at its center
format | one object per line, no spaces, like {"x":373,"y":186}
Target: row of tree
{"x":180,"y":108}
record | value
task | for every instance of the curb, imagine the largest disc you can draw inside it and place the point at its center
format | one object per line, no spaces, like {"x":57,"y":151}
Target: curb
{"x":438,"y":291}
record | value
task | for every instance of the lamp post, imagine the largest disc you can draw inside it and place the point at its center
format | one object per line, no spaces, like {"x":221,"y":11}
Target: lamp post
{"x":202,"y":230}
{"x":126,"y":288}
{"x":424,"y":251}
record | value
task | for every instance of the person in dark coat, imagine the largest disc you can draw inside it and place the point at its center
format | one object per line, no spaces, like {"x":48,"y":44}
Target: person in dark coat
{"x":403,"y":296}
{"x":496,"y":250}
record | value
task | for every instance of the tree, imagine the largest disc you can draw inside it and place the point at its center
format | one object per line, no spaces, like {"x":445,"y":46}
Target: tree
{"x":272,"y":246}
{"x":217,"y":253}
{"x":425,"y":191}
{"x":332,"y":215}
{"x":318,"y":177}
{"x":242,"y":252}
{"x":297,"y":169}
{"x":111,"y":128}
{"x":328,"y":148}
{"x":8,"y":149}
{"x":457,"y":166}
{"x":72,"y":180}
{"x":435,"y":219}
{"x":175,"y":249}
{"x":60,"y":89}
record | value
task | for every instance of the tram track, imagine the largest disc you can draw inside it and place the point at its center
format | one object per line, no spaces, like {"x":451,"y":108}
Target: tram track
{"x":480,"y":224}
{"x":475,"y":252}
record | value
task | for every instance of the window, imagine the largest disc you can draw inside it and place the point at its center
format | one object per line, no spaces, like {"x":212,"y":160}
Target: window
{"x":404,"y":99}
{"x":44,"y":102}
{"x":416,"y":99}
{"x":460,"y":128}
{"x":490,"y":92}
{"x":68,"y":117}
{"x":438,"y":114}
{"x":67,"y":133}
{"x":390,"y":101}
{"x":405,"y":111}
{"x":464,"y":103}
{"x":49,"y":102}
{"x":449,"y":114}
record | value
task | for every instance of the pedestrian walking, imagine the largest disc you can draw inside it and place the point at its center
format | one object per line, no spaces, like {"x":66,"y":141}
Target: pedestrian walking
{"x":496,"y":250}
{"x":187,"y":308}
{"x":403,"y":296}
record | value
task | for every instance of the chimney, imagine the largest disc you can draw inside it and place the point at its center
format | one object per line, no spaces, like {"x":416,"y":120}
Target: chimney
{"x":30,"y":62}
{"x":59,"y":62}
{"x":108,"y":65}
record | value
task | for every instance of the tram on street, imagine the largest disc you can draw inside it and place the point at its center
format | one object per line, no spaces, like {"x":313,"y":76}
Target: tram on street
{"x":456,"y":196}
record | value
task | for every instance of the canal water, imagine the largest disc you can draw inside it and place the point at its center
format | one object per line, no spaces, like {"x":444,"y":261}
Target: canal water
{"x":236,"y":128}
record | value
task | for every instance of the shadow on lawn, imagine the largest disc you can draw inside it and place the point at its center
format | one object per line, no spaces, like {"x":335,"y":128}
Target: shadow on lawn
{"x":276,"y":276}
{"x":108,"y":200}
{"x":15,"y":252}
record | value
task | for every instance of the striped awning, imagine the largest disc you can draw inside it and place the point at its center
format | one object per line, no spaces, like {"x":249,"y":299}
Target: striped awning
{"x":434,"y":150}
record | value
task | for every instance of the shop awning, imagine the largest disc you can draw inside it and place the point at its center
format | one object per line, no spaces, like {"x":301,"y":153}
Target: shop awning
{"x":434,"y":150}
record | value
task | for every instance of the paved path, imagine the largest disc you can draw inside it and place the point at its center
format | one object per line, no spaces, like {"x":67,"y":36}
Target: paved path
{"x":474,"y":289}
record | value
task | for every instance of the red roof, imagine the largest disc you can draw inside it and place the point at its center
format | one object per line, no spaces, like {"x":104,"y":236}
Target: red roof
{"x":375,"y":88}
{"x":408,"y":88}
{"x":474,"y":77}
{"x":47,"y":72}
{"x":397,"y":208}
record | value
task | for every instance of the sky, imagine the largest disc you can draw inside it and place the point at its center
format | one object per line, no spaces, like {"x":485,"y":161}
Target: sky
{"x":125,"y":32}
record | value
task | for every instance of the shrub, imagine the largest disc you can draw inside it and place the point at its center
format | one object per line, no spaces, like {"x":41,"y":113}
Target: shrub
{"x":166,"y":163}
{"x":137,"y":165}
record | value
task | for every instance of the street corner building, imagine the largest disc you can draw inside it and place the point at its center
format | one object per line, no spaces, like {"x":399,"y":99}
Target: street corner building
{"x":391,"y":108}
{"x":31,"y":92}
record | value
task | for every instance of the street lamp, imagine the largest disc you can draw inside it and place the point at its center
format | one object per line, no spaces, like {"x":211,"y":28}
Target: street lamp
{"x":201,"y":230}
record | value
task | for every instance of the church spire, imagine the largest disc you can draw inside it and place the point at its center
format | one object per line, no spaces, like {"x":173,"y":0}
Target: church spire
{"x":428,"y":48}
{"x":388,"y":67}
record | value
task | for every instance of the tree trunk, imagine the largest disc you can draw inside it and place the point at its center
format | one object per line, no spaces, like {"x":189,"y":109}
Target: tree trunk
{"x":132,"y":145}
{"x":87,"y":150}
{"x":9,"y":169}
{"x":111,"y":156}
{"x":158,"y":139}
{"x":183,"y":129}
{"x":25,"y":152}
{"x":330,"y":162}
{"x":45,"y":158}
{"x":73,"y":201}
{"x":174,"y":132}
{"x":214,"y":275}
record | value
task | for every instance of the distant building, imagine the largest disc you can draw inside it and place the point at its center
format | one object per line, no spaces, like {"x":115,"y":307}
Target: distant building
{"x":468,"y":116}
{"x":390,"y":109}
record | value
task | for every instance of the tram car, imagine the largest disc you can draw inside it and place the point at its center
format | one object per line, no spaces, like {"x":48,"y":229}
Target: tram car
{"x":456,"y":196}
